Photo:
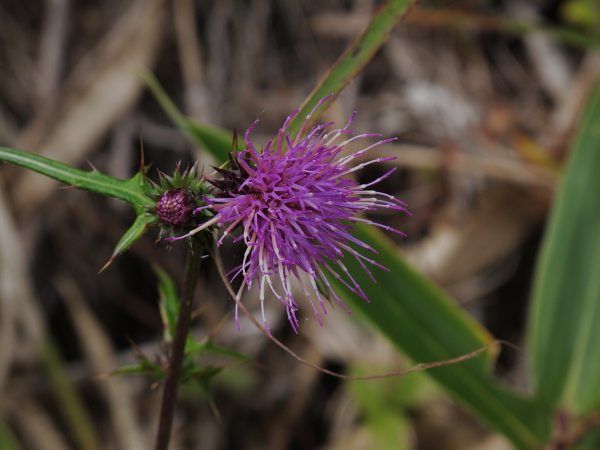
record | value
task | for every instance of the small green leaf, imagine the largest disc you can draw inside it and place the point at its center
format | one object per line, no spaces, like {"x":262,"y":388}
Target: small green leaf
{"x":203,"y":377}
{"x":206,"y":372}
{"x":136,"y":369}
{"x":137,"y":229}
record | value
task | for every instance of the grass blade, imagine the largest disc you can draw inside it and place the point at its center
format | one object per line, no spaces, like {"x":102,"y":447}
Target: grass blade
{"x":216,"y":141}
{"x":419,"y":319}
{"x":353,"y":60}
{"x":565,"y":319}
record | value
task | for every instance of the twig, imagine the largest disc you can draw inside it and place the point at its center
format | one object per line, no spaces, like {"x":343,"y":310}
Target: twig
{"x":417,"y":368}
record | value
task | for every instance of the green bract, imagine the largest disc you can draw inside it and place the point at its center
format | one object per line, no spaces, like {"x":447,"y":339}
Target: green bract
{"x":176,"y":199}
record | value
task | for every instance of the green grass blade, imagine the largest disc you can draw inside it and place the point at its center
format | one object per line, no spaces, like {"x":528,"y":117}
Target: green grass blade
{"x":213,"y":139}
{"x":565,"y":319}
{"x":71,"y":406}
{"x":419,"y":319}
{"x":353,"y":60}
{"x":219,"y":142}
{"x":132,"y":191}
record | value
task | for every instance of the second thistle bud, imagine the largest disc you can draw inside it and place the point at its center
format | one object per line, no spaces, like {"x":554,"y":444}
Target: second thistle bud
{"x":179,"y":202}
{"x":174,"y":208}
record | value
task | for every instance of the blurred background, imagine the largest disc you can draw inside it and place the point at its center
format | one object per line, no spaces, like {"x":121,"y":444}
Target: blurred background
{"x":483,"y":96}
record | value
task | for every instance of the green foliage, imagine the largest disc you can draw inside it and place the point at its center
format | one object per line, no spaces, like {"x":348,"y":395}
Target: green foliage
{"x":384,"y":404}
{"x":194,"y":368}
{"x":352,"y":61}
{"x":565,"y":318}
{"x":71,"y":406}
{"x":412,"y":312}
{"x":133,"y":191}
{"x":214,"y":140}
{"x":590,"y":441}
{"x":423,"y":322}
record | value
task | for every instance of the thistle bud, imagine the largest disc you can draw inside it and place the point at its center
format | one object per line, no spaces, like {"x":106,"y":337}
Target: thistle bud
{"x":174,"y":208}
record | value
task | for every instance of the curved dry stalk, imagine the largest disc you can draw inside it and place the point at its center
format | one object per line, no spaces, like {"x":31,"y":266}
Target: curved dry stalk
{"x":417,"y":368}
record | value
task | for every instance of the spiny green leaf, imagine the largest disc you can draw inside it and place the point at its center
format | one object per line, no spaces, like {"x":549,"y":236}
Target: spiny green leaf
{"x":133,"y":191}
{"x":137,"y":229}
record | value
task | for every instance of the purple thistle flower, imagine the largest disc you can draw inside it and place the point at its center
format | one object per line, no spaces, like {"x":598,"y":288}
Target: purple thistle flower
{"x":295,"y":204}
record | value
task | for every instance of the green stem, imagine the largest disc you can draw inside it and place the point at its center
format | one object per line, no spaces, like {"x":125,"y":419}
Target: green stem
{"x":171,"y":385}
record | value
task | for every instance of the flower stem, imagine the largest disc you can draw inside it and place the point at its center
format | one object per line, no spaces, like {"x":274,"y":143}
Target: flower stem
{"x":171,"y":385}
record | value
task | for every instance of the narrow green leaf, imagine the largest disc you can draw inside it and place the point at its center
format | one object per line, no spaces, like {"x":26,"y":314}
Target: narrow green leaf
{"x":70,"y":404}
{"x":349,"y":65}
{"x":353,"y":60}
{"x":428,"y":326}
{"x":213,"y":139}
{"x":565,"y":318}
{"x":133,"y":191}
{"x":169,"y":302}
{"x":169,"y":309}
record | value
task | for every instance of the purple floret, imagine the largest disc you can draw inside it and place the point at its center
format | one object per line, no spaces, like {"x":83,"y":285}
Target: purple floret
{"x":174,"y":208}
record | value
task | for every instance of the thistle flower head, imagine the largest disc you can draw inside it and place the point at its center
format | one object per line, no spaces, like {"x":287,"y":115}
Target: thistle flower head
{"x":295,"y":204}
{"x":179,"y":200}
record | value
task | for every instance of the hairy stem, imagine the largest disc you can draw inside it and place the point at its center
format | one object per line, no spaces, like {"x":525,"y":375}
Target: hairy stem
{"x":171,"y":385}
